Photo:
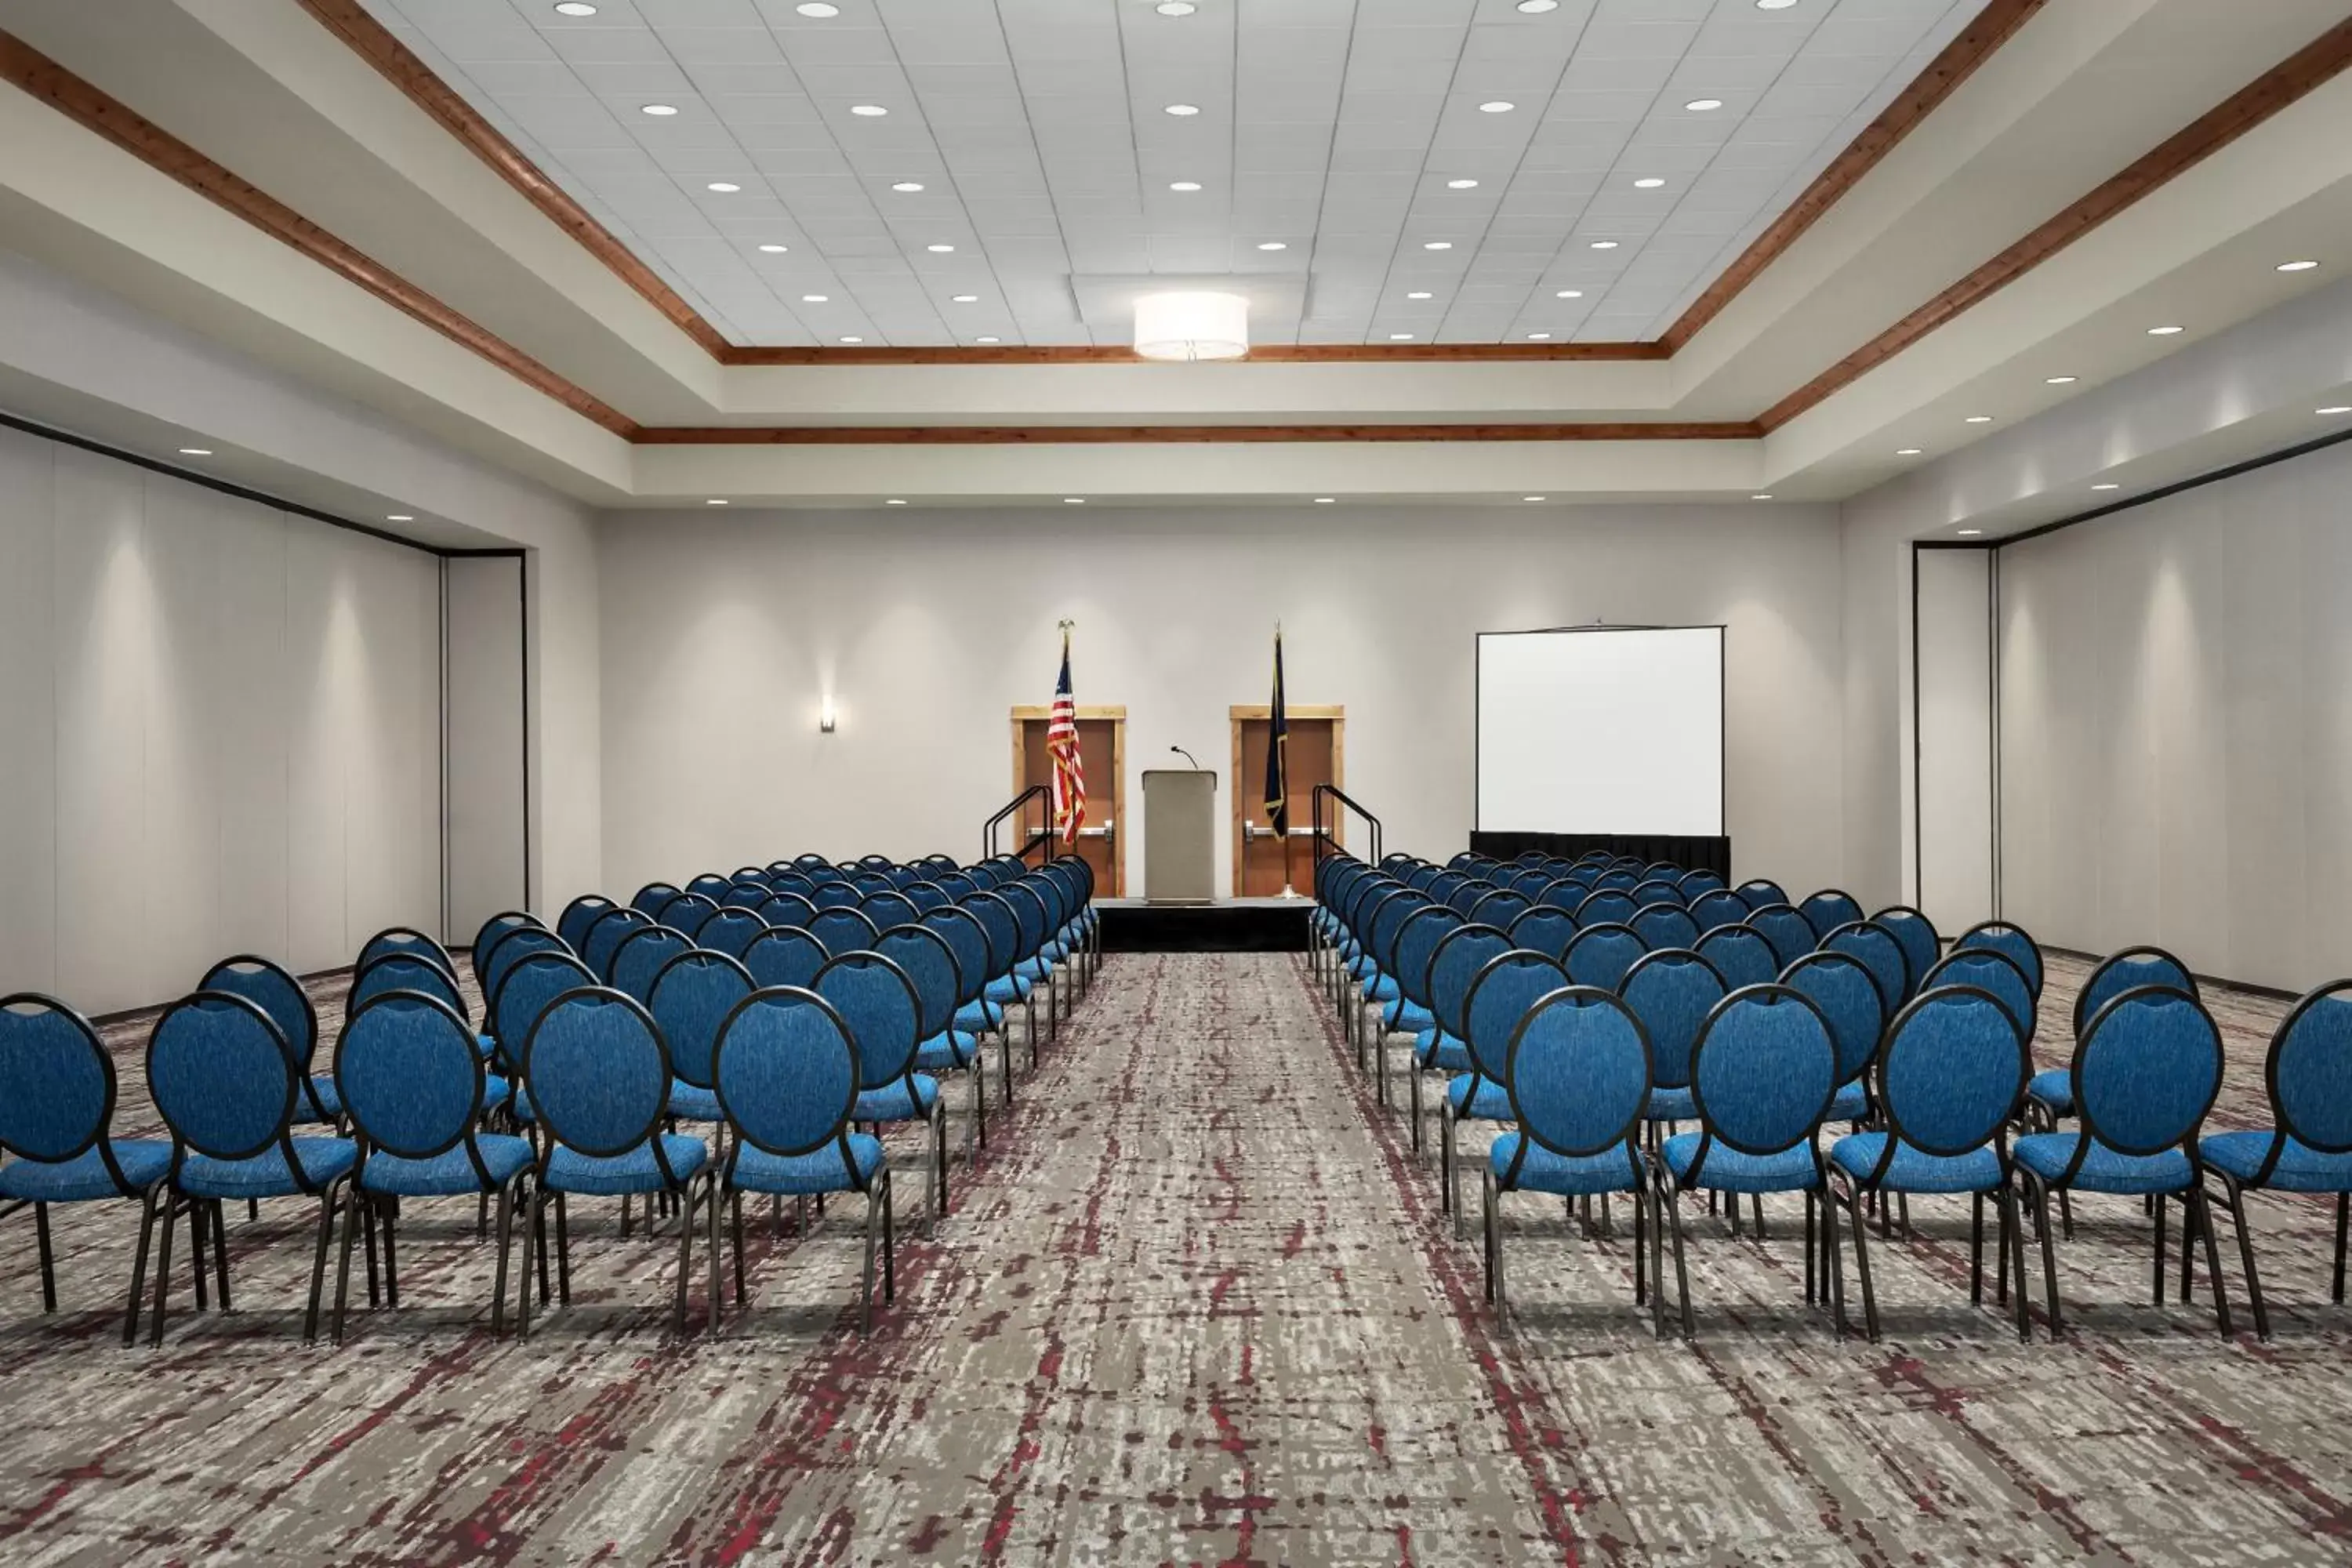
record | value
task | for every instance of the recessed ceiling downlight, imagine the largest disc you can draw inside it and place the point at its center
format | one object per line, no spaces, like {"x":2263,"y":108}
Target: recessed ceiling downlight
{"x":1538,"y":8}
{"x":2058,"y":381}
{"x":1539,"y":337}
{"x":1420,"y":294}
{"x":1187,"y":185}
{"x":988,"y":339}
{"x":1906,"y":451}
{"x":574,"y":8}
{"x":1191,"y":324}
{"x":1704,"y":105}
{"x":852,"y":340}
{"x":869,"y":110}
{"x":195,"y":451}
{"x":2334,"y":408}
{"x":1437,"y":245}
{"x":1461,"y":184}
{"x":1400,"y":337}
{"x":820,"y":9}
{"x":724,"y":187}
{"x":1970,"y":532}
{"x":400,"y":516}
{"x":1605,"y":245}
{"x":1497,"y":106}
{"x":775,"y":249}
{"x":2166,"y":332}
{"x":909,"y":187}
{"x":1272,"y":245}
{"x":1176,"y":7}
{"x":1074,"y":501}
{"x":2296,"y":266}
{"x":1326,"y":501}
{"x":940,"y":250}
{"x":2106,"y":487}
{"x":1650,"y":184}
{"x":659,"y":110}
{"x":894,"y":500}
{"x":1978,"y":419}
{"x":1183,"y":110}
{"x":963,"y":299}
{"x":814,"y":298}
{"x":1774,"y":5}
{"x":1761,"y":494}
{"x":1533,"y":498}
{"x":1568,"y":294}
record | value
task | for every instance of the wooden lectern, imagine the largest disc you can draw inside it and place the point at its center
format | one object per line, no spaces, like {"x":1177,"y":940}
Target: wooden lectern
{"x":1180,"y":827}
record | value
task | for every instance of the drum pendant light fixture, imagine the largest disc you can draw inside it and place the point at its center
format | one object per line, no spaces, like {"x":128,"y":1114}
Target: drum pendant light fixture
{"x":1191,"y":325}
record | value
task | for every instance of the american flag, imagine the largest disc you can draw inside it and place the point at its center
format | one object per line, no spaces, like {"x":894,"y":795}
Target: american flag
{"x":1070,"y":795}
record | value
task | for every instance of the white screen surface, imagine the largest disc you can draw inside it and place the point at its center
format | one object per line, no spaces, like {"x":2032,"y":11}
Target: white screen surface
{"x":1602,"y":732}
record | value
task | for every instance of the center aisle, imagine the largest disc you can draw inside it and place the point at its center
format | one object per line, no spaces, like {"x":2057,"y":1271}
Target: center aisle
{"x":1181,"y":1316}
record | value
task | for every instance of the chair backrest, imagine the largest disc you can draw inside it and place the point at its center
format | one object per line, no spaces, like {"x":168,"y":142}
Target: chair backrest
{"x":269,"y":987}
{"x":2310,"y":1070}
{"x":1988,"y":970}
{"x":870,"y":882}
{"x":744,"y":895}
{"x":1028,"y":908}
{"x":1545,"y":929}
{"x":1606,"y":906}
{"x":650,"y":898}
{"x":2012,"y":940}
{"x":1664,"y":925}
{"x":1499,"y":997}
{"x":1952,"y":1070}
{"x":711,"y":884}
{"x":1741,"y":955}
{"x":1658,"y":892}
{"x":887,"y":910}
{"x":1463,"y":896}
{"x":637,"y":961}
{"x":2127,"y":971}
{"x":783,"y":955}
{"x":1578,"y":1071}
{"x":2146,"y":1071}
{"x":1564,"y":893}
{"x":578,"y":915}
{"x":222,"y":1076}
{"x":836,"y":895}
{"x":878,"y":1001}
{"x":1830,"y":909}
{"x":530,"y":984}
{"x":686,"y":912}
{"x":1719,"y":907}
{"x":610,"y":929}
{"x":1003,"y":927}
{"x":1672,"y":991}
{"x":487,"y":935}
{"x":930,"y":964}
{"x":1877,"y":950}
{"x":404,"y":971}
{"x":1388,"y":914}
{"x":410,"y":942}
{"x":968,"y":938}
{"x":1759,"y":891}
{"x":1697,"y":884}
{"x":513,"y":945}
{"x":958,"y":885}
{"x":1619,"y":879}
{"x":1790,"y":933}
{"x":1416,"y":945}
{"x":1598,"y":955}
{"x":1916,"y":933}
{"x":57,"y":1081}
{"x":409,"y":1076}
{"x":1454,"y":967}
{"x":788,"y":909}
{"x":731,"y":930}
{"x":599,"y":1073}
{"x":1499,"y":908}
{"x":1849,"y":997}
{"x":1764,"y":1070}
{"x":843,"y":931}
{"x":690,"y":996}
{"x":927,"y":896}
{"x":787,"y":1073}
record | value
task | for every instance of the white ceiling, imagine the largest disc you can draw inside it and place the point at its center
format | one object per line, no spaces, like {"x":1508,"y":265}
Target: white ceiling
{"x":1037,"y":129}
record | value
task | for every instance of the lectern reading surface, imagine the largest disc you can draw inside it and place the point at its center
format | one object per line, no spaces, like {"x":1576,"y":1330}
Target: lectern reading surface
{"x":1180,"y":821}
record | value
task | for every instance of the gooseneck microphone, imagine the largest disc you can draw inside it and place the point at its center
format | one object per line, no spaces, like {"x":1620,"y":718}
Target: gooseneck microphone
{"x":1187,"y":756}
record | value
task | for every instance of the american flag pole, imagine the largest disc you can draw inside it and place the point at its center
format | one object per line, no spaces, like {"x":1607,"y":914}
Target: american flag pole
{"x":1068,"y":796}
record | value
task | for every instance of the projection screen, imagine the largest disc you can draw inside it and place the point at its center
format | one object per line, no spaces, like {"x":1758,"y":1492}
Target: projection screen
{"x":1601,"y":729}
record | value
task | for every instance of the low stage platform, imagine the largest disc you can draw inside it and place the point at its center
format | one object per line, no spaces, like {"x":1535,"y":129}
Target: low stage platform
{"x":1227,"y":925}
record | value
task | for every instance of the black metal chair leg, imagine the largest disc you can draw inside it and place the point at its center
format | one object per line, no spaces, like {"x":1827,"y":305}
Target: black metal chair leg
{"x":220,"y":1254}
{"x":2049,"y":1259}
{"x":199,"y":1216}
{"x":2203,"y":1211}
{"x":2246,"y":1256}
{"x":2159,"y":1206}
{"x":1862,"y":1270}
{"x":343,"y":1268}
{"x":685,"y":1256}
{"x":1670,"y":1199}
{"x":1976,"y":1250}
{"x":49,"y":1259}
{"x":2343,"y":1212}
{"x":738,"y":1227}
{"x":889,"y":1255}
{"x":2013,"y":1254}
{"x":338,"y":1192}
{"x":147,"y":1202}
{"x":506,"y":1247}
{"x":563,"y":1254}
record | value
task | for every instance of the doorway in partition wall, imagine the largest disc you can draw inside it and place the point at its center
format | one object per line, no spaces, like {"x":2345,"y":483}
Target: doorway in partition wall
{"x":1102,"y":752}
{"x":1317,"y":754}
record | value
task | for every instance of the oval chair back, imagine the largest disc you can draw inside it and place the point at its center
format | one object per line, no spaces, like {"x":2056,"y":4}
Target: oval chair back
{"x":1671,"y":992}
{"x":2309,"y":1073}
{"x":1387,"y":917}
{"x":487,"y":935}
{"x":1003,"y":927}
{"x":578,"y":915}
{"x":1417,"y":941}
{"x":968,"y":940}
{"x":731,"y":930}
{"x":783,"y":955}
{"x":1664,"y":925}
{"x":2127,"y":971}
{"x":930,"y":963}
{"x":1600,"y":955}
{"x":1578,"y":1071}
{"x":1509,"y":984}
{"x":1916,"y":933}
{"x":1762,"y":1073}
{"x":743,"y":894}
{"x":410,"y":942}
{"x":1658,"y":892}
{"x":843,"y":931}
{"x":269,"y":987}
{"x":1830,"y":909}
{"x":1453,"y":968}
{"x":889,"y":909}
{"x":1697,"y":884}
{"x":1461,"y":895}
{"x":958,"y":885}
{"x":1565,"y":894}
{"x":711,"y":884}
{"x":878,"y":1002}
{"x":1790,"y":934}
{"x":650,"y":898}
{"x":1848,"y":995}
{"x":600,"y":1074}
{"x":637,"y":961}
{"x":223,"y":1077}
{"x":689,"y":997}
{"x":404,"y":971}
{"x":1989,"y":971}
{"x":1759,"y":891}
{"x":687,"y":913}
{"x":1741,"y":955}
{"x":787,"y":910}
{"x":613,"y":928}
{"x":1541,"y":928}
{"x":1876,"y":949}
{"x":2146,"y":1073}
{"x":491,"y":968}
{"x":57,"y":1084}
{"x":835,"y":895}
{"x":1717,"y":908}
{"x":530,"y":984}
{"x":1620,"y":879}
{"x":926,"y":896}
{"x":1029,"y":908}
{"x":1499,"y":908}
{"x":1951,"y":1074}
{"x":1606,"y":906}
{"x":411,"y":1079}
{"x":786,"y":1073}
{"x":2012,"y":941}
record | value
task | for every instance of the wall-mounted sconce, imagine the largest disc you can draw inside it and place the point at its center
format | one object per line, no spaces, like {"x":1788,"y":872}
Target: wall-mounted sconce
{"x":825,"y":719}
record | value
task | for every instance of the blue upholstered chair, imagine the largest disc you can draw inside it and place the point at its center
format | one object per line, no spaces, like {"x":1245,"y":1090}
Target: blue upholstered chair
{"x":1664,"y":925}
{"x":650,"y":898}
{"x":1578,"y":1077}
{"x":1849,"y":999}
{"x":1621,"y":879}
{"x":640,"y":957}
{"x":2145,"y":1070}
{"x":57,"y":1128}
{"x":1605,"y":906}
{"x":1670,"y":992}
{"x":416,"y":1087}
{"x":975,"y":1015}
{"x":526,"y":988}
{"x":488,"y":934}
{"x":1463,"y":896}
{"x":1717,"y":908}
{"x":833,"y":893}
{"x":2012,"y":941}
{"x":1036,"y":919}
{"x":731,"y":930}
{"x":1505,"y":988}
{"x":510,"y":947}
{"x":1991,"y":971}
{"x":2050,"y":1094}
{"x":686,"y":912}
{"x":1741,"y":955}
{"x":404,"y":971}
{"x":1600,"y":955}
{"x":1876,"y":949}
{"x":1500,"y":908}
{"x":578,"y":915}
{"x":689,"y":998}
{"x":1544,"y":929}
{"x":269,"y":985}
{"x":1830,"y":909}
{"x":1916,"y":933}
{"x":1759,"y":891}
{"x":926,"y":896}
{"x":1410,"y":1011}
{"x":409,"y":942}
{"x":227,"y":1083}
{"x":709,"y":884}
{"x":1659,"y":893}
{"x":745,"y":892}
{"x":879,"y":1003}
{"x":788,"y":909}
{"x":843,"y":929}
{"x":605,"y":936}
{"x":889,"y":909}
{"x":930,"y":964}
{"x":1377,"y":988}
{"x":1444,"y":1047}
{"x":1696,"y":885}
{"x":1005,"y":985}
{"x":1789,"y":934}
{"x":1565,"y":894}
{"x":2307,"y":1147}
{"x":1949,"y":1076}
{"x":788,"y":1074}
{"x":600,"y":1080}
{"x":1762,"y":1075}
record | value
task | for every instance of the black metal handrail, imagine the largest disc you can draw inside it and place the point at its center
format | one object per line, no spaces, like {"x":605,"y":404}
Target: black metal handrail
{"x":1011,"y":807}
{"x":1326,"y":838}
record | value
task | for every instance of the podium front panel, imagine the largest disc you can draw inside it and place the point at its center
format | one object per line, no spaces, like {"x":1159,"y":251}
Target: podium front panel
{"x":1180,"y":835}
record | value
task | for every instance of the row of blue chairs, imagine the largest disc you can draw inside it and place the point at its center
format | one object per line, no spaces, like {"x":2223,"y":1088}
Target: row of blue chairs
{"x":1930,"y":1061}
{"x":421,"y":1102}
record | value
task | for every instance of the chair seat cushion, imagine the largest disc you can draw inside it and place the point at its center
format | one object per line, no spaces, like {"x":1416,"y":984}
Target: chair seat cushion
{"x":85,"y":1176}
{"x":448,"y":1173}
{"x":1914,"y":1170}
{"x":977,"y":1017}
{"x":2105,"y":1170}
{"x":1379,"y":987}
{"x":1675,"y":1104}
{"x":484,"y":1044}
{"x":2054,"y":1089}
{"x":822,"y":1170}
{"x":1617,"y":1170}
{"x":1790,"y":1170}
{"x":266,"y":1175}
{"x":496,"y":1091}
{"x":1849,"y":1103}
{"x":1007,"y":988}
{"x":2300,"y":1169}
{"x":1405,"y":1017}
{"x":610,"y":1175}
{"x":324,"y":1103}
{"x":692,"y":1102}
{"x":947,"y":1051}
{"x":1433,"y":1048}
{"x":1471,"y":1098}
{"x":902,"y":1099}
{"x":1035,"y":971}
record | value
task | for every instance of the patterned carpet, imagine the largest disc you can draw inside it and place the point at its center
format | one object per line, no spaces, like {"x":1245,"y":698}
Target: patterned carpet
{"x":1195,"y":1306}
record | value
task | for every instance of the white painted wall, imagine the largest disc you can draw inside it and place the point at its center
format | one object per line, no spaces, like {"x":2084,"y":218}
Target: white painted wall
{"x":1956,"y":750}
{"x":721,"y":633}
{"x":2176,"y":727}
{"x":486,"y":868}
{"x":221,"y":729}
